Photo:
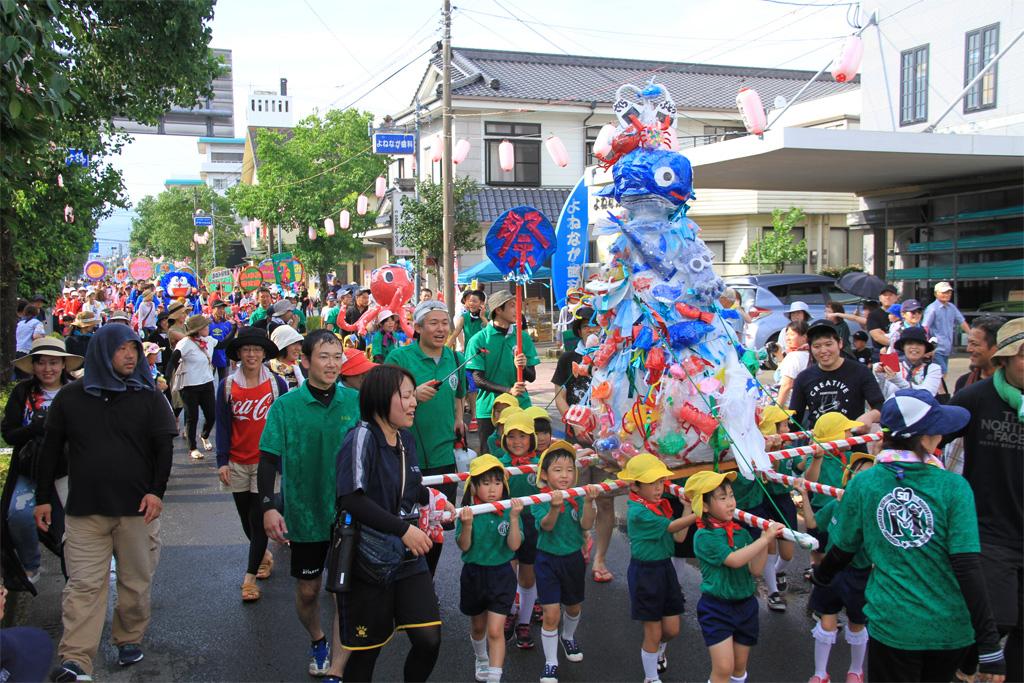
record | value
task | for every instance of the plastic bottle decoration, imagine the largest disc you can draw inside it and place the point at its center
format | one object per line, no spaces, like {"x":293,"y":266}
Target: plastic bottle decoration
{"x":380,"y":187}
{"x":845,"y":66}
{"x":329,"y":226}
{"x":752,"y":111}
{"x":362,"y":204}
{"x":311,"y":233}
{"x":603,"y":143}
{"x":461,"y":151}
{"x":556,"y":148}
{"x":436,"y":147}
{"x":344,"y":218}
{"x":506,"y":156}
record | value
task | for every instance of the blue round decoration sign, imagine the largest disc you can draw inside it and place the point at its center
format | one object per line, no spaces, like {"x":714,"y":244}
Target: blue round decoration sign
{"x":520,"y":241}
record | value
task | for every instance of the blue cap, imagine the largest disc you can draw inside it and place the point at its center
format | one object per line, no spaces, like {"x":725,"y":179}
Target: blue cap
{"x":895,"y":309}
{"x":911,"y":412}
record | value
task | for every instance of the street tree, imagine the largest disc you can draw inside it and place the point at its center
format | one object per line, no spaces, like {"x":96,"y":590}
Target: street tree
{"x":421,"y":225}
{"x":164,"y":226}
{"x":312,"y":174}
{"x":69,"y":68}
{"x":779,"y":246}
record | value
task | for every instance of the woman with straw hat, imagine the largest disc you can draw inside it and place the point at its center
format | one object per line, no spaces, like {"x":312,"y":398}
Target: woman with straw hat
{"x":193,"y":378}
{"x":47,"y":366}
{"x":83,"y":328}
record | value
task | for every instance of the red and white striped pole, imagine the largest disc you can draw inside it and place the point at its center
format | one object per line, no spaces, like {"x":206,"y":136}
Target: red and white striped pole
{"x":825,"y":446}
{"x":455,"y":477}
{"x":788,"y":437}
{"x":801,"y":483}
{"x":500,"y":506}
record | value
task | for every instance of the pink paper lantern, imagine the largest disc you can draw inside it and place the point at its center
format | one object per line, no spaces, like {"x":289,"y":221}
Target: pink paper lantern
{"x":506,"y":156}
{"x":380,"y":187}
{"x":329,"y":226}
{"x":436,"y":147}
{"x":603,"y":143}
{"x":556,"y":148}
{"x":362,"y":204}
{"x":311,"y":233}
{"x":344,"y":219}
{"x":752,"y":111}
{"x":845,"y":66}
{"x":461,"y":151}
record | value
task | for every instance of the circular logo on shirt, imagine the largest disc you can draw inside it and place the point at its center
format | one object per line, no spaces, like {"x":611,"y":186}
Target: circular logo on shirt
{"x":532,"y":478}
{"x":575,"y":515}
{"x":905,"y":519}
{"x":503,"y":528}
{"x":453,"y":382}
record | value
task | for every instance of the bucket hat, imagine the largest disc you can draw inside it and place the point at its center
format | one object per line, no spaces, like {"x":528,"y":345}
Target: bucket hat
{"x":49,"y":346}
{"x":915,"y":411}
{"x":701,"y":483}
{"x":498,"y":300}
{"x":196,"y":323}
{"x":284,"y":336}
{"x":86,"y":319}
{"x":914,"y":334}
{"x":251,"y":336}
{"x":356,"y":363}
{"x":833,"y":426}
{"x":1009,"y":338}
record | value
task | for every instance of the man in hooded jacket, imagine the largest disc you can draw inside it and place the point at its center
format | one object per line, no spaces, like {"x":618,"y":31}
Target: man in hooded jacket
{"x":116,"y":431}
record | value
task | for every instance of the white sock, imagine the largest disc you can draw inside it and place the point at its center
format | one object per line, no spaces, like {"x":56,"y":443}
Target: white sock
{"x":479,"y":647}
{"x":770,"y":582}
{"x":650,"y":662}
{"x":661,"y":650}
{"x":823,"y":641}
{"x":527,"y":597}
{"x":493,"y":674}
{"x":549,"y":639}
{"x":569,"y":624}
{"x":738,"y":679}
{"x":858,"y":641}
{"x":781,"y":565}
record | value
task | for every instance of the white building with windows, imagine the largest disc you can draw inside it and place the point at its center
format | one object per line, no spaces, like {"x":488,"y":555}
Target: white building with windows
{"x":221,"y":166}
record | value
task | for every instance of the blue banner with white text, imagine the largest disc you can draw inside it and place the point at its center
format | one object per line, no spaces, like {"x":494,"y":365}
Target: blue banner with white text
{"x":572,"y":233}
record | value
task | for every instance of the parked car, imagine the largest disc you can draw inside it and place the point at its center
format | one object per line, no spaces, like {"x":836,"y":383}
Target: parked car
{"x":771,"y":295}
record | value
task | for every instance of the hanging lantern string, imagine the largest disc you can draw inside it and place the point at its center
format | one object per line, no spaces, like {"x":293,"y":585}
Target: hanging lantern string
{"x":342,"y":206}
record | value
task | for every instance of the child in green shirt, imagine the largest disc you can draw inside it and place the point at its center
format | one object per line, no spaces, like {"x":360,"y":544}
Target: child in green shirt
{"x":386,"y":338}
{"x":655,"y":596}
{"x":488,"y":582}
{"x":828,"y":468}
{"x":729,"y":559}
{"x":560,"y":567}
{"x":502,"y":403}
{"x":777,"y":506}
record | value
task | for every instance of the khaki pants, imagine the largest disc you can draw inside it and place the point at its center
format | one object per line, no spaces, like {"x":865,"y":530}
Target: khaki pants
{"x":89,"y":544}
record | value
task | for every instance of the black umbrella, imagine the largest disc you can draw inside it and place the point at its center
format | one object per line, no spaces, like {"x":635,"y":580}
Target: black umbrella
{"x":864,"y":285}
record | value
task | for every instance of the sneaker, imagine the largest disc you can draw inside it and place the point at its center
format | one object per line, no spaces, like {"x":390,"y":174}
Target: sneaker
{"x":524,"y":639}
{"x":854,"y":678}
{"x":538,"y":614}
{"x":776,"y":602}
{"x":510,"y":627}
{"x":652,"y":680}
{"x":69,"y":671}
{"x":572,"y":650}
{"x":319,"y":657}
{"x":818,"y":679}
{"x":331,"y":679}
{"x":662,"y":664}
{"x":550,"y":674}
{"x":782,"y":582}
{"x":129,"y":654}
{"x":473,"y":426}
{"x":482,"y":667}
{"x":196,"y":454}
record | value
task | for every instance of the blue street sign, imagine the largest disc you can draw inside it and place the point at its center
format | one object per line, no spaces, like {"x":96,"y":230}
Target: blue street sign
{"x":76,"y":156}
{"x":202,"y":221}
{"x":394,"y":143}
{"x":96,"y":247}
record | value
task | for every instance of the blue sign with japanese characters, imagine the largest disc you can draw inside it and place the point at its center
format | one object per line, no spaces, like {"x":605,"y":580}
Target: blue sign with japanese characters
{"x":571,"y":254}
{"x":520,"y":241}
{"x":76,"y":156}
{"x":394,"y":143}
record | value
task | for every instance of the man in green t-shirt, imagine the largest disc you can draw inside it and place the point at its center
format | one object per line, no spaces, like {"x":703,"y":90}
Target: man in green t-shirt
{"x":495,"y":372}
{"x":331,"y":312}
{"x":303,"y":434}
{"x":262,"y":311}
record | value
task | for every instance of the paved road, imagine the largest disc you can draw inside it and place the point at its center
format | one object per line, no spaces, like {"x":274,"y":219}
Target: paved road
{"x":201,"y":631}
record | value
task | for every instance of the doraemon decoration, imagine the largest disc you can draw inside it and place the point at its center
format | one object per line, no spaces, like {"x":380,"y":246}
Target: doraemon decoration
{"x":179,"y":284}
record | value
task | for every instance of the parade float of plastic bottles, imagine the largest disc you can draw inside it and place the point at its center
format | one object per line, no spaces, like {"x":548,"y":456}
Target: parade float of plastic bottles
{"x":668,"y":374}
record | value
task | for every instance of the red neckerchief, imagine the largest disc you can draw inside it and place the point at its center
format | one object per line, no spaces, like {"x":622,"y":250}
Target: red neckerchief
{"x":520,"y":460}
{"x":571,"y":501}
{"x":729,"y":527}
{"x":200,"y":342}
{"x":662,"y":507}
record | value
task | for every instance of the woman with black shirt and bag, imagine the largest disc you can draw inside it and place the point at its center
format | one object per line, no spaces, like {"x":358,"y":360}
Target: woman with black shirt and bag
{"x":380,"y":486}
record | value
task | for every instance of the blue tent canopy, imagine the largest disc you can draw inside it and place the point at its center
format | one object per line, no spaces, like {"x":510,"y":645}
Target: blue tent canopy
{"x":485,"y":271}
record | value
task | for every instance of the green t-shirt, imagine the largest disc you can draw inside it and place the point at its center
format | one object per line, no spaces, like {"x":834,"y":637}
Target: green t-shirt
{"x":332,"y":316}
{"x":379,"y":348}
{"x":489,"y":546}
{"x":498,"y":365}
{"x":786,"y":467}
{"x":909,"y":528}
{"x":471,"y":325}
{"x":832,"y":470}
{"x":748,"y":493}
{"x":566,"y":537}
{"x":434,"y":426}
{"x":828,"y":519}
{"x":520,"y":485}
{"x":649,"y":539}
{"x":307,"y":437}
{"x":257,"y":315}
{"x":497,"y":451}
{"x":711,"y":547}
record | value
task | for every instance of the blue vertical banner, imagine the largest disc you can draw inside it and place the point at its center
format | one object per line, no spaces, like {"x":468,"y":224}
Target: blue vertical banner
{"x":572,"y":232}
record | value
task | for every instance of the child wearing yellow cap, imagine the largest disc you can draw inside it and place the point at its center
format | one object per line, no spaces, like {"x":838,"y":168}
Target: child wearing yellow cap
{"x":778,"y":506}
{"x":488,"y":582}
{"x":502,"y":403}
{"x":655,"y":597}
{"x":560,"y":567}
{"x":729,"y":559}
{"x":541,"y":426}
{"x":828,"y":469}
{"x":845,"y":592}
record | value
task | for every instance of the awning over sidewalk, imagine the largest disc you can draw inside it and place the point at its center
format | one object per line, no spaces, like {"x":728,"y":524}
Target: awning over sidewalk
{"x":859,"y":161}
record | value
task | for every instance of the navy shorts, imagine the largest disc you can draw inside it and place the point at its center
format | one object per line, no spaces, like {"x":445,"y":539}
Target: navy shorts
{"x":784,"y":503}
{"x":845,"y":592}
{"x":470,"y":382}
{"x":761,"y":510}
{"x":487,"y":589}
{"x":560,"y":578}
{"x":720,"y":619}
{"x":654,"y":590}
{"x":527,"y":553}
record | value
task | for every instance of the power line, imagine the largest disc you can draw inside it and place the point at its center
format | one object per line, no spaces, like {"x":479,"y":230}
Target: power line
{"x":392,"y":75}
{"x":810,"y":4}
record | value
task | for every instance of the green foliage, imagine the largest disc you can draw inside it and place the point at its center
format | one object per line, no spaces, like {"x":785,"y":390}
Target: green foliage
{"x":776,"y":248}
{"x":164,"y":225}
{"x":421,"y":224}
{"x":840,"y":271}
{"x":319,"y":170}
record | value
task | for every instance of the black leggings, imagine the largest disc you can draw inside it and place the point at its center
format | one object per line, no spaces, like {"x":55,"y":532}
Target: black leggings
{"x":895,"y":666}
{"x":194,"y":398}
{"x":248,"y":506}
{"x":426,"y":643}
{"x":484,"y":429}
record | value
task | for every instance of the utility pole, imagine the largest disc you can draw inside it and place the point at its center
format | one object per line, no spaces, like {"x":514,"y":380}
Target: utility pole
{"x":448,"y":257}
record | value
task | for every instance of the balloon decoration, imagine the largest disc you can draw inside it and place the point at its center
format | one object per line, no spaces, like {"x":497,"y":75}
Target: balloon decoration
{"x":668,"y":374}
{"x":556,"y":148}
{"x":845,"y":66}
{"x":362,"y":204}
{"x":344,"y":219}
{"x":380,"y":187}
{"x":752,"y":111}
{"x":391,"y":284}
{"x":461,"y":151}
{"x":506,"y":156}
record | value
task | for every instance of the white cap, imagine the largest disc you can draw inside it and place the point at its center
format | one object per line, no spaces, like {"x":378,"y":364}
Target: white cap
{"x":284,"y":336}
{"x":943,"y":287}
{"x":798,"y":306}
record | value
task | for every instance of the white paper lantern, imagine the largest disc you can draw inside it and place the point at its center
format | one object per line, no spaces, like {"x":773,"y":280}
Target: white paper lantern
{"x":603,"y":143}
{"x":362,"y":204}
{"x":312,"y":233}
{"x":344,"y":219}
{"x":461,"y":151}
{"x":380,"y":187}
{"x":329,"y":226}
{"x":506,"y":156}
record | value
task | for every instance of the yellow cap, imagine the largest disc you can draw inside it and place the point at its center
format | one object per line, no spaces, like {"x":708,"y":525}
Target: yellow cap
{"x":701,"y":483}
{"x":506,"y":399}
{"x":556,"y":445}
{"x":484,"y":463}
{"x":771,"y":416}
{"x":645,"y":468}
{"x":519,"y":422}
{"x":509,"y":413}
{"x":855,"y":458}
{"x":832,"y":426}
{"x":537,"y":413}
